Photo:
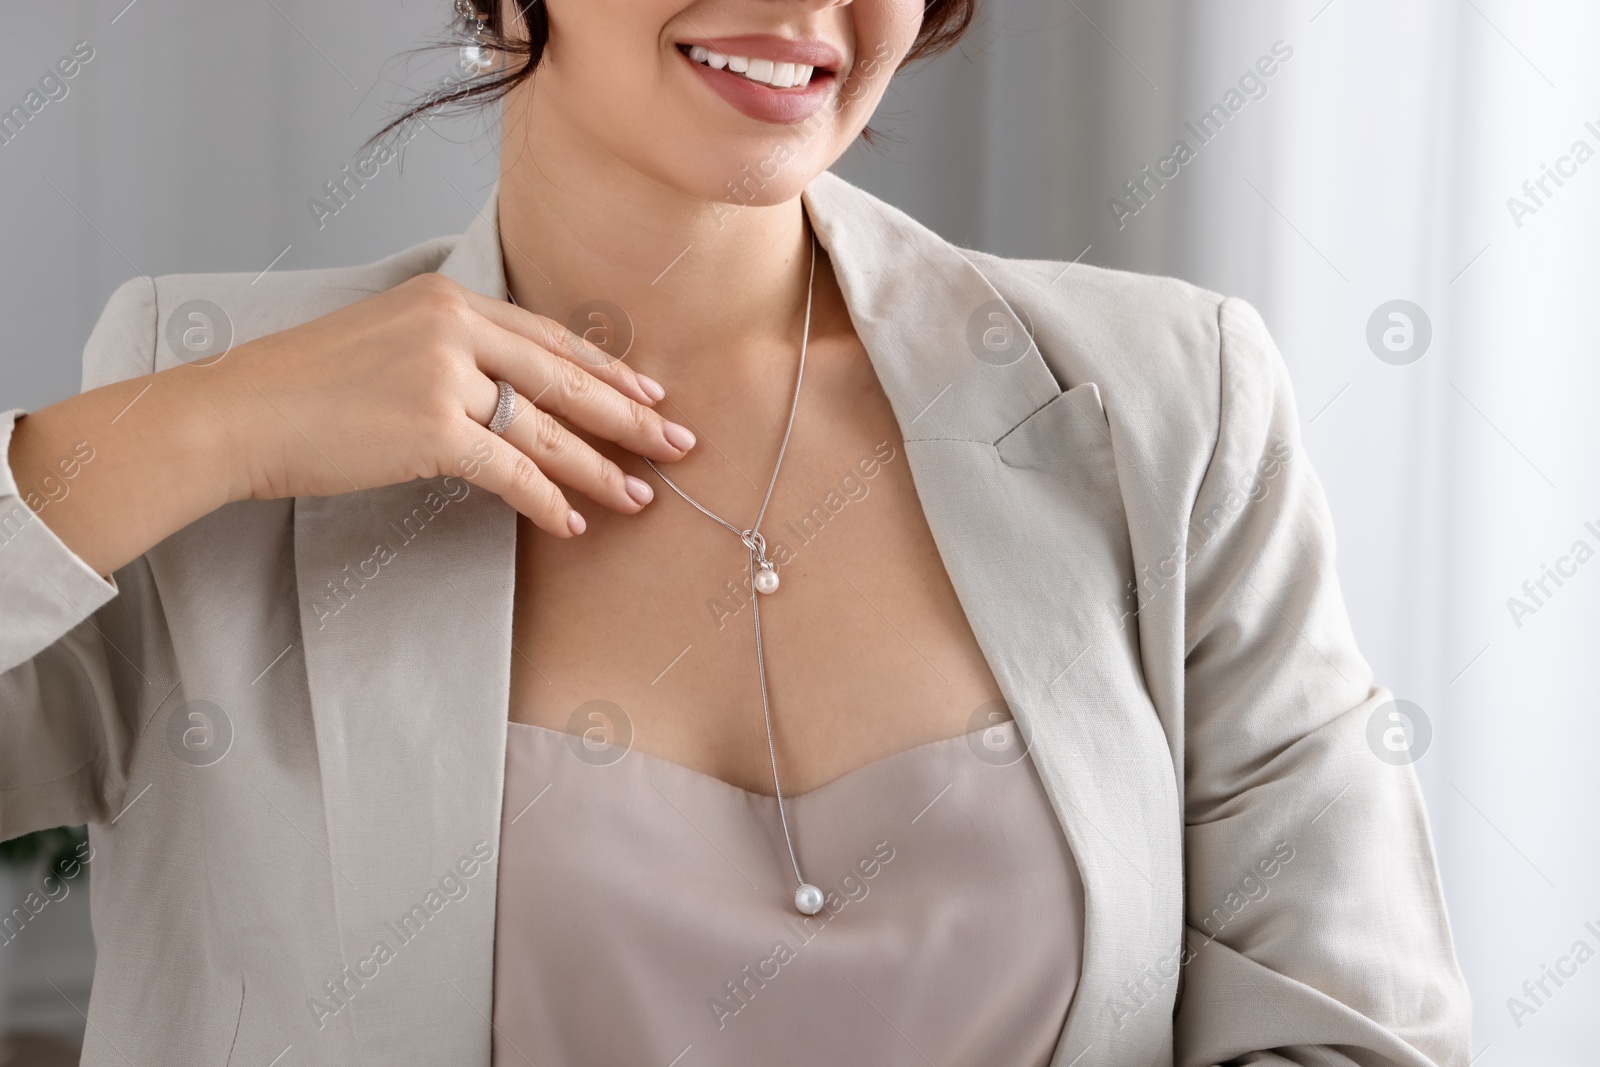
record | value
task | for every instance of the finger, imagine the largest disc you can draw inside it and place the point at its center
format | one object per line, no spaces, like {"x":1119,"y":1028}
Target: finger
{"x":567,"y":389}
{"x":497,"y":465}
{"x":560,"y":341}
{"x":565,"y":457}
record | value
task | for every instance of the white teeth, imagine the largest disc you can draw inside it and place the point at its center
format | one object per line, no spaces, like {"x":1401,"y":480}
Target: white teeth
{"x":765,"y":71}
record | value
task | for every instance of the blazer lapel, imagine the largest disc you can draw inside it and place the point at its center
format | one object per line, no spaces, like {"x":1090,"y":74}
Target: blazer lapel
{"x":405,"y":606}
{"x":1018,"y":482}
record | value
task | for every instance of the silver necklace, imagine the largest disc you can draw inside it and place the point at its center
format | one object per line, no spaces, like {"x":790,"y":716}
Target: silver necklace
{"x":764,"y":580}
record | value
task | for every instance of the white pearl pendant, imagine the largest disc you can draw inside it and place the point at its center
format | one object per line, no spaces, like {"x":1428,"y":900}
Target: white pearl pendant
{"x":767,"y":582}
{"x":808,"y":899}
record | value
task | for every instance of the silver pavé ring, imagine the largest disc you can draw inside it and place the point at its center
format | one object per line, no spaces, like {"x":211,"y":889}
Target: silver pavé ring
{"x":506,"y":410}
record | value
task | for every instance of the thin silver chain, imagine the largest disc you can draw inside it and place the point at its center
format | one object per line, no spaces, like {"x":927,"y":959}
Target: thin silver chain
{"x":757,"y":547}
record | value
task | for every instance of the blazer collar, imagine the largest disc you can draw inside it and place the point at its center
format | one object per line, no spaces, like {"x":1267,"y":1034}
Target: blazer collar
{"x":409,"y":678}
{"x":956,"y":361}
{"x":476,"y":261}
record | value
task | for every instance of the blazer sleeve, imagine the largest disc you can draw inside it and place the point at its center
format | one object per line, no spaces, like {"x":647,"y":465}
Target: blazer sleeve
{"x":1315,"y":928}
{"x":76,"y":672}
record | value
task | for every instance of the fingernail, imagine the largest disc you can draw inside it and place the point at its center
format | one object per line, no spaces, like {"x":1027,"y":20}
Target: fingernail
{"x":678,"y":436}
{"x":639,"y":489}
{"x":575,"y":522}
{"x":651,"y":387}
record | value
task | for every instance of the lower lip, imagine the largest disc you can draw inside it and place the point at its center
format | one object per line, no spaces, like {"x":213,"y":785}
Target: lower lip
{"x":763,"y":102}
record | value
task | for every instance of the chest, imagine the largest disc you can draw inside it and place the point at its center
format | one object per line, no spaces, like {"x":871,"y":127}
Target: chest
{"x":641,"y":631}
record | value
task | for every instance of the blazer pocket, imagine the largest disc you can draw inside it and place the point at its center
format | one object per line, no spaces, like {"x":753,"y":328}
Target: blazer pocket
{"x":1070,"y":429}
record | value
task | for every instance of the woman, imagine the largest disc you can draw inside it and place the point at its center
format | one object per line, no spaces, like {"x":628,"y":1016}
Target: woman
{"x":808,"y":641}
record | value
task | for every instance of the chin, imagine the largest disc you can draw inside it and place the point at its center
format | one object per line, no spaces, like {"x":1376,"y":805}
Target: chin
{"x":731,"y":107}
{"x":764,"y":177}
{"x":727,"y":162}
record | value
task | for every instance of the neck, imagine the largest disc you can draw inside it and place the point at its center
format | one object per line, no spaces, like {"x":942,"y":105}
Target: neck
{"x":701,"y":283}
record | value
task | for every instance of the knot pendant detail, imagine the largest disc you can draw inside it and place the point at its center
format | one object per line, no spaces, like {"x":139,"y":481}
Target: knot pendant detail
{"x":766,"y":576}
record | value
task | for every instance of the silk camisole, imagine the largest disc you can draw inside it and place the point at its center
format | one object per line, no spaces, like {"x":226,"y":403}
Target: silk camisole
{"x":645,"y":912}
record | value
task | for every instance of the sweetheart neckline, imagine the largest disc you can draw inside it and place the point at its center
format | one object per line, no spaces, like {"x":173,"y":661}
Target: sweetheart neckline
{"x":685,"y":769}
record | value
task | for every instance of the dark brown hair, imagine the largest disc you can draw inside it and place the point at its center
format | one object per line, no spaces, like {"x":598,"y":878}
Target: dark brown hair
{"x":943,"y":24}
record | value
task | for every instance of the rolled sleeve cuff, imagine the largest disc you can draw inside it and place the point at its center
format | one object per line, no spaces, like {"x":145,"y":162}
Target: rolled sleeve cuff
{"x":45,"y":587}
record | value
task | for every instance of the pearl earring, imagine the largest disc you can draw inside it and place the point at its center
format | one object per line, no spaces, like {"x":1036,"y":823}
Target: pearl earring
{"x":476,"y":56}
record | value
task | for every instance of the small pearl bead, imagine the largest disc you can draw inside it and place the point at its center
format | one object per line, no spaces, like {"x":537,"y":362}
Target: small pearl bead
{"x":767,"y":582}
{"x":808,"y":898}
{"x":477,"y":57}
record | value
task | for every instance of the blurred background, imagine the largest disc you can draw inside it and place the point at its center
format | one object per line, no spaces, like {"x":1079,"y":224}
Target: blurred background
{"x":1404,"y":197}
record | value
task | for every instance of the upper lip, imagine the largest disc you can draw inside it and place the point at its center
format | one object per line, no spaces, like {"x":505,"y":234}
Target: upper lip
{"x":819,"y":54}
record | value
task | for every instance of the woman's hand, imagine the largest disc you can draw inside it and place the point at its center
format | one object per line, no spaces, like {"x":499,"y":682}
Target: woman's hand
{"x":395,"y":387}
{"x":401,"y":386}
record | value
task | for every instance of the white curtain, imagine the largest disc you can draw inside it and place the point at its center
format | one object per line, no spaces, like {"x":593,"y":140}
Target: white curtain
{"x":1373,"y":164}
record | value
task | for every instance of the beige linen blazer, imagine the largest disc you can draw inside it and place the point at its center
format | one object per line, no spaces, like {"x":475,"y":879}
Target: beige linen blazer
{"x":294,"y":809}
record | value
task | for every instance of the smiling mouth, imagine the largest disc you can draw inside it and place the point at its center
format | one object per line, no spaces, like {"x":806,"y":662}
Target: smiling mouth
{"x":765,"y":72}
